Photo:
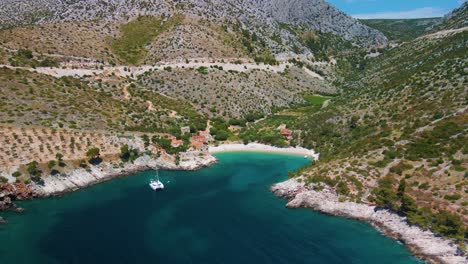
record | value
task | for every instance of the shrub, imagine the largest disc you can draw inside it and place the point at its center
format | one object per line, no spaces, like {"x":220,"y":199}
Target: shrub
{"x":452,"y":197}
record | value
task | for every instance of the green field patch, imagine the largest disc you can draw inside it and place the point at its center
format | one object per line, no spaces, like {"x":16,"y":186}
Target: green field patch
{"x":316,"y":99}
{"x":138,"y":33}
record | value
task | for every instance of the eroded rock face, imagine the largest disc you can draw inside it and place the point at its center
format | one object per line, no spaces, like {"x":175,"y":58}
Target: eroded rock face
{"x":321,"y":16}
{"x":11,"y":192}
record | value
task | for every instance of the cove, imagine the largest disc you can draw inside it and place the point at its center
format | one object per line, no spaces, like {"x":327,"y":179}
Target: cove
{"x":221,"y":214}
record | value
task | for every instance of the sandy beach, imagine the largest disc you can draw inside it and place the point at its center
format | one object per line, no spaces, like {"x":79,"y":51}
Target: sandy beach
{"x":256,"y":147}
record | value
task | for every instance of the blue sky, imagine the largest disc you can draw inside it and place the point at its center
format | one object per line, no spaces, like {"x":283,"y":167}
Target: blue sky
{"x":396,"y":8}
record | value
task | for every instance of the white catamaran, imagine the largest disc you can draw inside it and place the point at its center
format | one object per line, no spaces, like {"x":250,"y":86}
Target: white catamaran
{"x":156,"y":184}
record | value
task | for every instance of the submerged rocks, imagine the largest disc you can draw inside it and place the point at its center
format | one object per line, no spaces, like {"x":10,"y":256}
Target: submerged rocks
{"x":2,"y":221}
{"x":19,"y":210}
{"x":423,"y":244}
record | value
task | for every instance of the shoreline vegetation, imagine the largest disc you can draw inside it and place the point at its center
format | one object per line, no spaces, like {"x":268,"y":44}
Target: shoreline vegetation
{"x":423,"y":244}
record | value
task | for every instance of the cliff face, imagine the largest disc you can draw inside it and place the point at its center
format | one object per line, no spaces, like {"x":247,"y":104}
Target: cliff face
{"x":264,"y":14}
{"x":321,"y":16}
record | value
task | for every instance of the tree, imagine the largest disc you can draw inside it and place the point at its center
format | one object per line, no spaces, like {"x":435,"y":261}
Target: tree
{"x":59,"y":157}
{"x":94,"y":155}
{"x":221,"y":135}
{"x":448,"y":224}
{"x":128,"y":154}
{"x":401,"y":189}
{"x":16,"y":174}
{"x":32,"y":169}
{"x":51,"y":164}
{"x":385,"y":198}
{"x":146,"y":140}
{"x":408,"y":206}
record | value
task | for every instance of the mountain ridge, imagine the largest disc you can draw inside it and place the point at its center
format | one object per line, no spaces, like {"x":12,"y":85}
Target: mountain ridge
{"x":311,"y":14}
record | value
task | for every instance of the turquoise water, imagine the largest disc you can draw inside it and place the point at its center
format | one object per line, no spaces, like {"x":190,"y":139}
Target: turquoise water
{"x":222,"y":214}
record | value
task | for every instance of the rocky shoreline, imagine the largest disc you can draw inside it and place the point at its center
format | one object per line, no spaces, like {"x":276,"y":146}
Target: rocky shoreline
{"x":80,"y":178}
{"x":423,"y":244}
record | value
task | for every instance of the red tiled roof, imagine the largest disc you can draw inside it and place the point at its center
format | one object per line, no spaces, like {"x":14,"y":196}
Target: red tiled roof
{"x":198,"y":139}
{"x":286,"y":132}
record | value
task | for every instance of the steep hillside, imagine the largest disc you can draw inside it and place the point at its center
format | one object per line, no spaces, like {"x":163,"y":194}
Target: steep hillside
{"x":215,"y":91}
{"x":402,"y":29}
{"x":458,"y":18}
{"x":40,"y":100}
{"x":262,"y":18}
{"x":396,"y":136}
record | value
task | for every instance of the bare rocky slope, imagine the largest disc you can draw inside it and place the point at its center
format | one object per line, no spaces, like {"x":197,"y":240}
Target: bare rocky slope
{"x":265,"y":17}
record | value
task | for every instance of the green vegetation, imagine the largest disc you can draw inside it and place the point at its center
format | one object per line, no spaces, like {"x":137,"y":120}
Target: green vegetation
{"x":51,"y":164}
{"x":403,"y":108}
{"x":166,"y":145}
{"x":443,"y":222}
{"x":25,"y":57}
{"x":316,"y":99}
{"x":93,"y":155}
{"x":128,"y":154}
{"x":138,"y":33}
{"x":402,"y":29}
{"x":323,"y":45}
{"x":33,"y":169}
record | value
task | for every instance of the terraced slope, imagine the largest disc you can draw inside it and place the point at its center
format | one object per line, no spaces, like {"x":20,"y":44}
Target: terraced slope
{"x":40,"y":100}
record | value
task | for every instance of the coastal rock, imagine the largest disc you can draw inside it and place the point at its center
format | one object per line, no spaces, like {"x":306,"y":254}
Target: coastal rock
{"x":422,"y":243}
{"x":11,"y":192}
{"x":80,"y":178}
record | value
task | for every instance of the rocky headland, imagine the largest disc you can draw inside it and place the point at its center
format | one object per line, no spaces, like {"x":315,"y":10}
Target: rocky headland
{"x":423,"y":244}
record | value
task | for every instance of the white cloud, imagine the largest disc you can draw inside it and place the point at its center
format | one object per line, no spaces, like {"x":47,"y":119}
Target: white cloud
{"x":416,"y":13}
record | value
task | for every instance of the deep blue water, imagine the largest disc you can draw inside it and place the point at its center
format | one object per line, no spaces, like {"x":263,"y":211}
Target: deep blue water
{"x":222,"y":214}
